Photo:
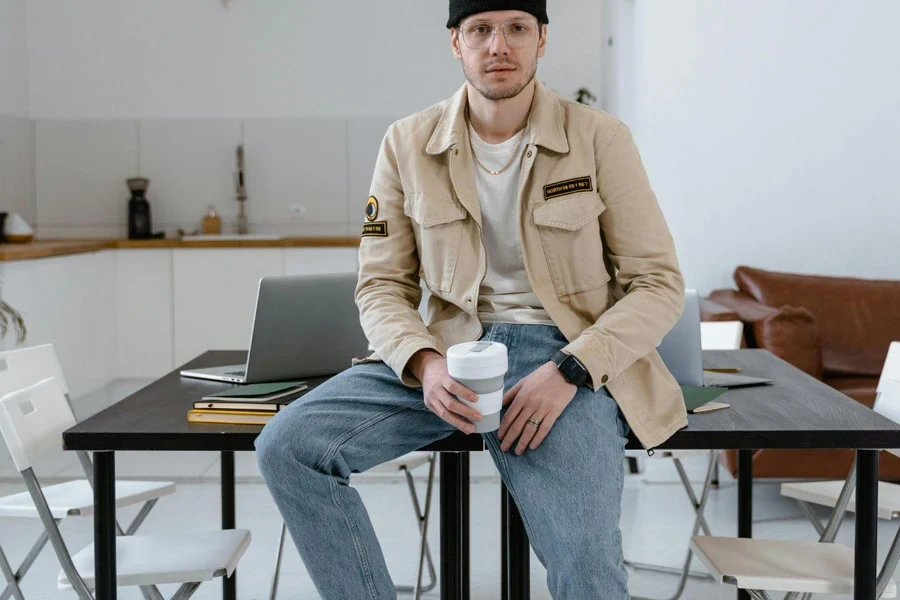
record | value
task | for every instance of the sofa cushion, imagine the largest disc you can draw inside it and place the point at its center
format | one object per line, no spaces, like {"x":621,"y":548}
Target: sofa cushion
{"x":791,"y":334}
{"x":857,"y":319}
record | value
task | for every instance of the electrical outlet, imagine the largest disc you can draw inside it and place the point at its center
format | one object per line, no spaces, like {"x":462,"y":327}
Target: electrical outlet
{"x":297,"y":210}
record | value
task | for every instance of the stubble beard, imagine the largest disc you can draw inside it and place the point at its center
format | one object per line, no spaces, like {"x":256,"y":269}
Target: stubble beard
{"x":503,"y":93}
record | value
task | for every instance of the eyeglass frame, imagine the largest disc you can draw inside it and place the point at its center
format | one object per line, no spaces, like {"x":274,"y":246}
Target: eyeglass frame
{"x":501,"y":28}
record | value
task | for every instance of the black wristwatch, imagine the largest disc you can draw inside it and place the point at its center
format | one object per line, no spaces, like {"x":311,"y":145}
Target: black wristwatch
{"x":571,"y":368}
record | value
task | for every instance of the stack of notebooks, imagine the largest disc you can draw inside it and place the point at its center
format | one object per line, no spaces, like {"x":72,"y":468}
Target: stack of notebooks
{"x":251,"y":404}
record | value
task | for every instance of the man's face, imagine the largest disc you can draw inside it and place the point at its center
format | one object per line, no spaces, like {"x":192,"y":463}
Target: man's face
{"x":499,"y":66}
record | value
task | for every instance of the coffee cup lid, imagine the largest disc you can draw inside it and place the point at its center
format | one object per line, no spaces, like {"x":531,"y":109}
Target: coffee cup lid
{"x":477,"y":355}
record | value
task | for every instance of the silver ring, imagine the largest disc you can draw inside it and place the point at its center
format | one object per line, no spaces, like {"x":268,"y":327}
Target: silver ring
{"x":536,"y":424}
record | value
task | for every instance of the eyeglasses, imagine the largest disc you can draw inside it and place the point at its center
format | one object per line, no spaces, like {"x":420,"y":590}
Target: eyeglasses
{"x":518,"y":33}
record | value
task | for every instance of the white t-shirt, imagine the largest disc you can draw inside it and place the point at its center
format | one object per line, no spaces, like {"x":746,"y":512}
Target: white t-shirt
{"x":505,"y":295}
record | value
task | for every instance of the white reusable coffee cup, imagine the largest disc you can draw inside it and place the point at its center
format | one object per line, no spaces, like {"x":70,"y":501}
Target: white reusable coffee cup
{"x":480,"y":366}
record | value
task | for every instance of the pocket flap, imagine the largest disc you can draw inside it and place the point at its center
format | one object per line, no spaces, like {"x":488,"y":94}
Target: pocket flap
{"x":427,"y":210}
{"x":570,"y":213}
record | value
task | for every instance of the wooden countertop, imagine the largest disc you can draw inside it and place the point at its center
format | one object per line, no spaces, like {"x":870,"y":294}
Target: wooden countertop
{"x":48,"y":248}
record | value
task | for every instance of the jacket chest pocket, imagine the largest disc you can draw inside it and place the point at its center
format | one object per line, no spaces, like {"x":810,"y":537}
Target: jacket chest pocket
{"x":438,"y":225}
{"x":570,"y":237}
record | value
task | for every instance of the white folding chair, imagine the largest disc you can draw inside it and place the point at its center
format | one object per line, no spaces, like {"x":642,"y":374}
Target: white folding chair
{"x":723,"y":335}
{"x":404,"y":464}
{"x":803,"y":568}
{"x":32,"y":421}
{"x":20,"y":369}
{"x":827,"y":493}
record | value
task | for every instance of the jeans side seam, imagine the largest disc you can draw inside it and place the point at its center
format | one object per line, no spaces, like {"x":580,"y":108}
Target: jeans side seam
{"x":360,"y":550}
{"x":329,"y":453}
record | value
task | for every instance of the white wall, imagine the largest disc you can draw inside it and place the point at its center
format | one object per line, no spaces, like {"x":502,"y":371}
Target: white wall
{"x":13,"y":58}
{"x":769,"y":130}
{"x":17,"y":178}
{"x":266,"y":58}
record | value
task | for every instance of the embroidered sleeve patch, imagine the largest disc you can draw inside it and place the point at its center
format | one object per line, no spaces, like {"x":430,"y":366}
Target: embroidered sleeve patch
{"x":569,"y":186}
{"x":377,"y":229}
{"x":372,"y":208}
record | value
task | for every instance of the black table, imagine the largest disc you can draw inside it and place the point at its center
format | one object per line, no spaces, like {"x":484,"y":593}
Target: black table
{"x":155,"y":419}
{"x":797,"y":411}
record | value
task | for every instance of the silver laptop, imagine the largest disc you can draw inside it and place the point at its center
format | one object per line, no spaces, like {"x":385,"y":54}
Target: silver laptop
{"x":683,"y":354}
{"x":304,"y":326}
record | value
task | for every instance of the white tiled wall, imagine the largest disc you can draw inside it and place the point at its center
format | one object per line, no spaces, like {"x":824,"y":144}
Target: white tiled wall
{"x":321,"y":166}
{"x":17,"y":167}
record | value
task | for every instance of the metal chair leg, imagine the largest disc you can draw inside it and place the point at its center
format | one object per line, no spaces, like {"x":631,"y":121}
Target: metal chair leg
{"x":273,"y":590}
{"x":12,"y":582}
{"x":699,"y":523}
{"x":422,"y":521}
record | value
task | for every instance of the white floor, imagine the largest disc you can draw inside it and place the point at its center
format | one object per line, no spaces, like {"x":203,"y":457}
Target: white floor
{"x":655,"y":524}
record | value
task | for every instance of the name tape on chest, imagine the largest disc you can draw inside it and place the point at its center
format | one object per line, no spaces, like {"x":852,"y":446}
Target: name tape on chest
{"x":569,"y":186}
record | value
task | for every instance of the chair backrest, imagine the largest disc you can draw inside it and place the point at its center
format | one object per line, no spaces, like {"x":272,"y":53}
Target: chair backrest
{"x":26,"y":366}
{"x":721,"y":335}
{"x":891,"y":369}
{"x":32,"y":421}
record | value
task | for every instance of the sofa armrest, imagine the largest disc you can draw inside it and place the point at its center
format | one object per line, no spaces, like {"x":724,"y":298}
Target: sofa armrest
{"x":788,"y":332}
{"x":713,"y":311}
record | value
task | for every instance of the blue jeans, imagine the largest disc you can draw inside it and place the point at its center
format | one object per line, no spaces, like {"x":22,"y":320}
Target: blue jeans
{"x":568,"y":490}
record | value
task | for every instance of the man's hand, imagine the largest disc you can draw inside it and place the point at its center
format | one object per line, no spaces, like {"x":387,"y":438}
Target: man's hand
{"x":430,"y":368}
{"x":542,"y":397}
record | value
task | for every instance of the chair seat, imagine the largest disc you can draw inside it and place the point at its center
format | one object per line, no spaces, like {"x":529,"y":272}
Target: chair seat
{"x":76,"y":498}
{"x":410,"y":461}
{"x":780,"y":566}
{"x":182,"y":558}
{"x":825,"y":493}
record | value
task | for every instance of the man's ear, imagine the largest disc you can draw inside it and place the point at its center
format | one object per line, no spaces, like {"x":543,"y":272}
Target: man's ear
{"x":542,"y":42}
{"x":454,"y":43}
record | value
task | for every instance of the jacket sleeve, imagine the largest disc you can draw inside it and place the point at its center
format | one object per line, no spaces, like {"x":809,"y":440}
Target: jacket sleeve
{"x":388,"y":291}
{"x":640,"y":246}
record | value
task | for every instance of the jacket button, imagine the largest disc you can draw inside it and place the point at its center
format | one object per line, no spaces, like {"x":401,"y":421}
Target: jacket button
{"x":604,"y":379}
{"x":456,"y":152}
{"x":469,"y":300}
{"x":529,"y":154}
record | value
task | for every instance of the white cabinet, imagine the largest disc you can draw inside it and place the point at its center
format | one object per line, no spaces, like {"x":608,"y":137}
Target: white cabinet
{"x":215,"y":296}
{"x":69,"y":302}
{"x":144,"y":313}
{"x":318,"y":261}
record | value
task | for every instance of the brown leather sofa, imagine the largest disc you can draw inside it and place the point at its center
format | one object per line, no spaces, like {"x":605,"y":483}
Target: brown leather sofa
{"x":836,"y":329}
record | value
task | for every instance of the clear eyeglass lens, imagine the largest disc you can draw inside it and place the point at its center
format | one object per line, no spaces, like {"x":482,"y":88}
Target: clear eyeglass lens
{"x":479,"y":35}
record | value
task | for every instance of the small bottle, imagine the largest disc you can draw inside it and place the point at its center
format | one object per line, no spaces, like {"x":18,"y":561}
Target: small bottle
{"x":212,"y":224}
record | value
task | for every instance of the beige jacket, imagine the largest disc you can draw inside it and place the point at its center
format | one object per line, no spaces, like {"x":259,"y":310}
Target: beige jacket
{"x":597,"y":249}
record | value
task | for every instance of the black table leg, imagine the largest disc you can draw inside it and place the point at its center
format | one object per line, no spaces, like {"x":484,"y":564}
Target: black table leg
{"x":745,"y":501}
{"x":516,"y":551}
{"x":464,"y":524}
{"x":451,"y":550}
{"x":504,"y":544}
{"x":866,"y":524}
{"x":105,"y":525}
{"x":229,"y":584}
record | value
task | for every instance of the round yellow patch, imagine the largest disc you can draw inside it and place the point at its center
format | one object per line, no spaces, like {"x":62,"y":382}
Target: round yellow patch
{"x":372,"y":208}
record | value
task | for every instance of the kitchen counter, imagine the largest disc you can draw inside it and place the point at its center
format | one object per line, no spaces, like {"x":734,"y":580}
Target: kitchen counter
{"x":48,"y":248}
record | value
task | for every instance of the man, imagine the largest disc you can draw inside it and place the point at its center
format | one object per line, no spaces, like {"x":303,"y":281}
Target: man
{"x":532,"y":223}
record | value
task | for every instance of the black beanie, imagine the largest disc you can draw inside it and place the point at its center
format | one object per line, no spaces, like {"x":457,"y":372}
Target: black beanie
{"x":460,"y":9}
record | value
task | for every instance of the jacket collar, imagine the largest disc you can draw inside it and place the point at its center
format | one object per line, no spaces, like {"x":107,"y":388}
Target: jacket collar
{"x":546,"y":122}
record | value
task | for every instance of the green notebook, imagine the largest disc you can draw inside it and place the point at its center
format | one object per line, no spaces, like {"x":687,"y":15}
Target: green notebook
{"x":259,"y":391}
{"x":695,"y":397}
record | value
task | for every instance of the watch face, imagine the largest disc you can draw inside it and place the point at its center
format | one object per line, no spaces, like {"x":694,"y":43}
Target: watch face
{"x":572,"y":370}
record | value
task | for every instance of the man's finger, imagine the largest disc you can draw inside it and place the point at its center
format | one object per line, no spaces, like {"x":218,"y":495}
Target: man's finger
{"x":528,"y":431}
{"x":544,"y":430}
{"x":452,"y":404}
{"x":510,"y":394}
{"x":509,"y":417}
{"x":455,"y":387}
